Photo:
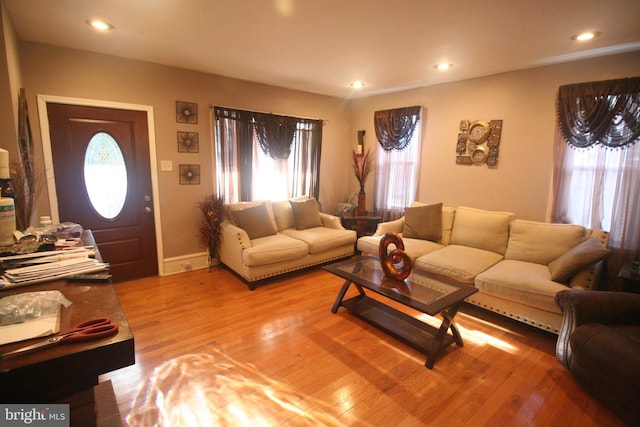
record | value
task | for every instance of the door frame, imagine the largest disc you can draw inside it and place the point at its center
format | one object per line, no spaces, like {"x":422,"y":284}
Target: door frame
{"x":48,"y":156}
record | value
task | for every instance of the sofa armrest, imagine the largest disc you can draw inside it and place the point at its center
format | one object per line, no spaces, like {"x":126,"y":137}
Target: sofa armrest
{"x":235,"y":234}
{"x":234,"y":240}
{"x":389,"y":227}
{"x":580,"y":307}
{"x":331,"y":221}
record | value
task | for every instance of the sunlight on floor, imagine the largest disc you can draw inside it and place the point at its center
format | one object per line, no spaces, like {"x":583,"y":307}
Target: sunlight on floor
{"x":474,"y":336}
{"x":213,"y":389}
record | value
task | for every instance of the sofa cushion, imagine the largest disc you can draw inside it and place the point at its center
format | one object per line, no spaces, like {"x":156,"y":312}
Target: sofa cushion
{"x":273,"y":249}
{"x":254,"y":220}
{"x":481,"y":229}
{"x":521,"y":282}
{"x":306,"y":214}
{"x":586,"y":253}
{"x":423,"y":222}
{"x":322,"y":239}
{"x":243,"y":205}
{"x":448,"y":215}
{"x":412,"y":247}
{"x":460,"y":263}
{"x":284,"y":214}
{"x":541,"y":242}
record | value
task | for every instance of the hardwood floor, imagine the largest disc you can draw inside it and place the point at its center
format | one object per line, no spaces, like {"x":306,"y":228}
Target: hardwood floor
{"x":211,"y":352}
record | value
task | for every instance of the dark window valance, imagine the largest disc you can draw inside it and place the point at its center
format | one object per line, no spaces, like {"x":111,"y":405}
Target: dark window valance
{"x":605,"y":113}
{"x":275,"y":134}
{"x":394,"y":128}
{"x":279,"y":137}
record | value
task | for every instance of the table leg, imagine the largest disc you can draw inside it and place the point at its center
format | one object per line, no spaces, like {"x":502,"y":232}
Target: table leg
{"x":447,"y":323}
{"x":340,"y":296}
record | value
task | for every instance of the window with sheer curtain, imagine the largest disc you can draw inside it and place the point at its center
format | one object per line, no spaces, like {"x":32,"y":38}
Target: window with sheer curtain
{"x":597,"y":164}
{"x":397,"y":160}
{"x":266,"y":156}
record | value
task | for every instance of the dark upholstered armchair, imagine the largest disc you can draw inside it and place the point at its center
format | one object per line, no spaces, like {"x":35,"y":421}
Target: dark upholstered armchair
{"x":599,"y":342}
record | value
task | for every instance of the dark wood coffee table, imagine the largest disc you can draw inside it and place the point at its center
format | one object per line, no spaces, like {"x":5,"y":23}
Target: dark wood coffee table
{"x":419,"y":293}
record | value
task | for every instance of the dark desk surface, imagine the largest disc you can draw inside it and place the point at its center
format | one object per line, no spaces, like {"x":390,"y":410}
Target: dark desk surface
{"x":57,"y":371}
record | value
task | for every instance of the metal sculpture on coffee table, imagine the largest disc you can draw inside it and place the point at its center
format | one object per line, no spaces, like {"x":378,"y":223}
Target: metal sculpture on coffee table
{"x":395,"y":263}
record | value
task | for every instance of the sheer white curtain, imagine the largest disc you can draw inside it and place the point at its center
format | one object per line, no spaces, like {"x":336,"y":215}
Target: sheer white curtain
{"x":271,"y":177}
{"x":397,"y":178}
{"x":599,"y":187}
{"x":597,"y":164}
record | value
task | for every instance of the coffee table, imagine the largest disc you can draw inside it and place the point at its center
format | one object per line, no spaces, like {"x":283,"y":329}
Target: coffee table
{"x":417,"y":292}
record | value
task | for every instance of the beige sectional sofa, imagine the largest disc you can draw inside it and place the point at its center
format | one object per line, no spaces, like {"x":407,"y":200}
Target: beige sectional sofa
{"x":518,"y":266}
{"x":263,"y":239}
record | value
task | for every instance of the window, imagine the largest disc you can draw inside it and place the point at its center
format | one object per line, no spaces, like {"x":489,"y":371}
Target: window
{"x":265,"y":156}
{"x":397,"y":180}
{"x":105,"y":175}
{"x":595,"y":169}
{"x":597,"y":164}
{"x":397,"y":160}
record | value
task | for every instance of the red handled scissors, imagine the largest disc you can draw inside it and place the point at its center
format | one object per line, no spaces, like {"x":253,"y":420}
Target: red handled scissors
{"x":90,"y":330}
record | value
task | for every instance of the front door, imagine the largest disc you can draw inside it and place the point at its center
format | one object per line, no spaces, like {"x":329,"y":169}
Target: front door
{"x":103,"y":182}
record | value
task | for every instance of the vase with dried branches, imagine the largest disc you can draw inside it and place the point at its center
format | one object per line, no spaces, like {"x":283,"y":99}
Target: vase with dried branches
{"x":212,"y":208}
{"x":362,"y":167}
{"x":27,"y":190}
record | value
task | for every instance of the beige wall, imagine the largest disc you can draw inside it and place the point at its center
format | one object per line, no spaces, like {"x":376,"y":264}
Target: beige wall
{"x":10,"y":84}
{"x":524,"y":101}
{"x":54,"y":71}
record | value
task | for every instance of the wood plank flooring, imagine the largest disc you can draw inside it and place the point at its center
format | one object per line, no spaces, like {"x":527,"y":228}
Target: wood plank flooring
{"x":211,"y":352}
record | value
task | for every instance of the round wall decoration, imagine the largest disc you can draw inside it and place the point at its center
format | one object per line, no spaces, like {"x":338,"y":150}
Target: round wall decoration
{"x":478,"y":132}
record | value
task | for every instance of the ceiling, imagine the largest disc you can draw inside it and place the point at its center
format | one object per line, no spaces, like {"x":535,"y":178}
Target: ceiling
{"x":321,"y":46}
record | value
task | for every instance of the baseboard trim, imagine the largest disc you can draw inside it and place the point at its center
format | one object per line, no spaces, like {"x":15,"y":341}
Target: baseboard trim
{"x":184,"y":263}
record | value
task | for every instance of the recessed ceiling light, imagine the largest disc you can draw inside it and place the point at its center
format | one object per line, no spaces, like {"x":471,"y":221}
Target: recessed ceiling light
{"x":443,"y":66}
{"x":585,"y":36}
{"x":99,"y":25}
{"x":357,"y":85}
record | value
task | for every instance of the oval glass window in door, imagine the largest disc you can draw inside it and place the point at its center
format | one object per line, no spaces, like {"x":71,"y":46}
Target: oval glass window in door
{"x":105,"y":175}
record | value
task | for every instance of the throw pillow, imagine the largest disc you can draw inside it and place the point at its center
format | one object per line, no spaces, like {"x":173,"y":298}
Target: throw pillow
{"x":254,"y":220}
{"x":306,"y":214}
{"x":423,"y":222}
{"x":586,"y":253}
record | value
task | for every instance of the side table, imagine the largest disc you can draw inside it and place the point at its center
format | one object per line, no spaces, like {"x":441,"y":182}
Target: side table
{"x":630,"y":281}
{"x":364,"y":225}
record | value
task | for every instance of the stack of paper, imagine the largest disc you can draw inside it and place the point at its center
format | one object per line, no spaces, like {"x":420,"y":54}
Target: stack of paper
{"x":40,"y":267}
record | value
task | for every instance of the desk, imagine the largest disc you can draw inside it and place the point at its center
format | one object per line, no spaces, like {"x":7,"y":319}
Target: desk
{"x":50,"y":374}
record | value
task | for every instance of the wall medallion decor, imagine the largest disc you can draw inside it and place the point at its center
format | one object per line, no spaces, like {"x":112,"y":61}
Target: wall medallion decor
{"x":188,"y":142}
{"x":478,"y":143}
{"x":186,"y":112}
{"x":189,"y":174}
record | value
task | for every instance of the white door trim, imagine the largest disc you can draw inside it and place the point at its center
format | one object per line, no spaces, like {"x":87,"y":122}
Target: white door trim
{"x":48,"y":156}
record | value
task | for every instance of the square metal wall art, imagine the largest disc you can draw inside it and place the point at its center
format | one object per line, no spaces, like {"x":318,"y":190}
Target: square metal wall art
{"x":189,"y":174}
{"x":188,"y":142}
{"x":479,"y":143}
{"x":186,"y":112}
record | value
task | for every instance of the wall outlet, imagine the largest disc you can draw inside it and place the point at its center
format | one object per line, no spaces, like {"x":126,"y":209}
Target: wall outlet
{"x":166,"y":165}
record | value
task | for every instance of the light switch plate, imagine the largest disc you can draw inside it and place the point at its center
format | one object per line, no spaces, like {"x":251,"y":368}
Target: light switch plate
{"x":166,"y":165}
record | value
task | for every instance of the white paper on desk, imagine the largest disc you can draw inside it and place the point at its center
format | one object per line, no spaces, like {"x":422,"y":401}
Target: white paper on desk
{"x":41,"y":326}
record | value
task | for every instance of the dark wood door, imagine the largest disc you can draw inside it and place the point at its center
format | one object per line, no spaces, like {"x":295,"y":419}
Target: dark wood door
{"x":126,"y":235}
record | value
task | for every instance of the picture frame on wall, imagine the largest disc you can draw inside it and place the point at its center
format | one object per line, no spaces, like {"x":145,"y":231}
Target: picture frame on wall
{"x":188,"y":142}
{"x":189,"y":174}
{"x":186,"y":112}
